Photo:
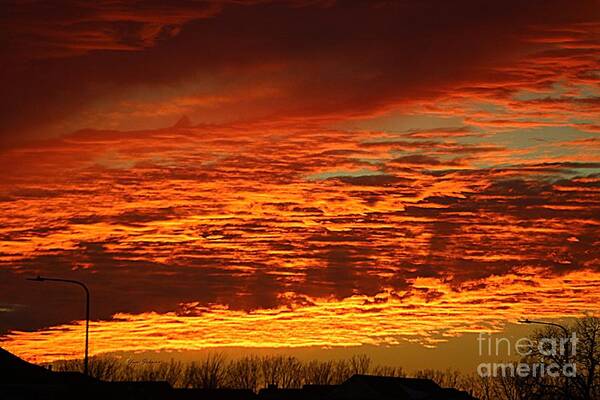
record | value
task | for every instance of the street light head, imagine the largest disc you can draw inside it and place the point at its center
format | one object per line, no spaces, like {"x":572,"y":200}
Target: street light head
{"x":37,"y":279}
{"x":524,"y":321}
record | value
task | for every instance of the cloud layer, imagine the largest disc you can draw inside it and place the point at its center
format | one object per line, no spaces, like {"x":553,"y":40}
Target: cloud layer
{"x":399,"y":162}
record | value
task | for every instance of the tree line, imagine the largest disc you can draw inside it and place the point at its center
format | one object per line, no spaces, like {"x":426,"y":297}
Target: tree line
{"x":254,"y":372}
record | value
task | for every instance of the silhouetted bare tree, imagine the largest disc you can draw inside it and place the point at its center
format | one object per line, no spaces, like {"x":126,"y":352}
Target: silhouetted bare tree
{"x":386,"y":370}
{"x":341,"y":371}
{"x":587,"y":383}
{"x":207,"y":374}
{"x":319,"y":372}
{"x":244,"y":373}
{"x":359,"y":364}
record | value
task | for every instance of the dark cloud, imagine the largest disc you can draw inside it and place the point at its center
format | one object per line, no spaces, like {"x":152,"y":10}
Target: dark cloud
{"x":417,"y":159}
{"x":374,"y":180}
{"x":318,"y":59}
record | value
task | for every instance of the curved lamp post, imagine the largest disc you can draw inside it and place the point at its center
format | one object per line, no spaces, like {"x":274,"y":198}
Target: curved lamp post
{"x":527,"y":321}
{"x":566,"y":332}
{"x":87,"y":311}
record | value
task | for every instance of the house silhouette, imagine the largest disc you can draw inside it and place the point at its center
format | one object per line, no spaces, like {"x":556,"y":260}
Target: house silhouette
{"x":369,"y":387}
{"x":372,"y":387}
{"x":16,"y":371}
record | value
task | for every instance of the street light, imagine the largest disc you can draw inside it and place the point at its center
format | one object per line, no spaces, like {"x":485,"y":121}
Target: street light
{"x":566,"y":332}
{"x":528,"y":321}
{"x":87,"y":311}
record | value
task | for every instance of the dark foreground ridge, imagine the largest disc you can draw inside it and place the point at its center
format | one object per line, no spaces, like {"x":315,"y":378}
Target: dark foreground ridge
{"x":22,"y":380}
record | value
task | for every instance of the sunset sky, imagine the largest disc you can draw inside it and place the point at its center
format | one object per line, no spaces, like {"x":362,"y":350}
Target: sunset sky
{"x":296,"y":174}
